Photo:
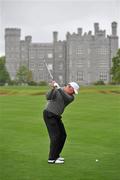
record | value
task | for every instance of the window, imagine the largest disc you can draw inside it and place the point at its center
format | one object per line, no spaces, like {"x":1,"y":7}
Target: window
{"x":40,"y":66}
{"x":61,"y":79}
{"x":103,"y":64}
{"x":79,"y":51}
{"x":79,"y":76}
{"x":103,"y":76}
{"x":88,"y":63}
{"x":32,"y":66}
{"x":50,"y":55}
{"x":80,"y":64}
{"x":50,"y":66}
{"x":102,"y":51}
{"x":60,"y":55}
{"x":41,"y":75}
{"x":23,"y":48}
{"x":89,"y":51}
{"x":32,"y":54}
{"x":60,"y":66}
{"x":41,"y":56}
{"x":60,"y":48}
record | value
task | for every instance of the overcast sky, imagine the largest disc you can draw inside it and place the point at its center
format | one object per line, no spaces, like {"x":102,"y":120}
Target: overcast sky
{"x":40,"y":18}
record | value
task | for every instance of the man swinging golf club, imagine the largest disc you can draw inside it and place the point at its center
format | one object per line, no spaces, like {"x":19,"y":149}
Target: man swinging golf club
{"x":58,"y":98}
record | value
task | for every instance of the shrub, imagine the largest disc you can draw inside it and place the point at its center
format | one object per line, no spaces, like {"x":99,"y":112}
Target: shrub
{"x":100,"y":82}
{"x":13,"y":82}
{"x":32,"y":83}
{"x":43,"y":83}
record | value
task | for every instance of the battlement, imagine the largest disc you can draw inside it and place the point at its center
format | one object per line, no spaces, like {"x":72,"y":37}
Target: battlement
{"x":97,"y":32}
{"x":79,"y":34}
{"x":101,"y":33}
{"x":13,"y":32}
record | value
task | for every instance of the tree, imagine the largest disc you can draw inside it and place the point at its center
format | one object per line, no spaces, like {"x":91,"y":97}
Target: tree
{"x":23,"y":75}
{"x":4,"y":75}
{"x":115,"y":70}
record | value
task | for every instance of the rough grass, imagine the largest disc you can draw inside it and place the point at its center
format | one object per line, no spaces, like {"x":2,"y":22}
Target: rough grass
{"x":26,"y":90}
{"x":92,"y":122}
{"x":41,"y":90}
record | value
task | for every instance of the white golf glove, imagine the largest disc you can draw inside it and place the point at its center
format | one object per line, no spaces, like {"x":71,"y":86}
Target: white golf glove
{"x":54,"y":84}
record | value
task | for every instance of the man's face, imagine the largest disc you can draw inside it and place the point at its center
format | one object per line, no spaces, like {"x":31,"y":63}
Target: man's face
{"x":69,"y":89}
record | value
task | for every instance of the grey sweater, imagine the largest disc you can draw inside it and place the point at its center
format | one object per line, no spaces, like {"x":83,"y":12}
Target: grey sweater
{"x":57,"y":101}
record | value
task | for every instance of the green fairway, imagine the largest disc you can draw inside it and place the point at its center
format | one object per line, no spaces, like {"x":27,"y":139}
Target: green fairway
{"x":92,"y":123}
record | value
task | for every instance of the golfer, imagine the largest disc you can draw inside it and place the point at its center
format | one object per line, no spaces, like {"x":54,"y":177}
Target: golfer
{"x":58,"y":98}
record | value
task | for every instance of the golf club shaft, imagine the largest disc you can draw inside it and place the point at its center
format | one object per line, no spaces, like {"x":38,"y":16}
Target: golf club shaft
{"x":48,"y":70}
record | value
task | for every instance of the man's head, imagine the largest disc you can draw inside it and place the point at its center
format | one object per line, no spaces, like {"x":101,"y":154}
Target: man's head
{"x":72,"y":88}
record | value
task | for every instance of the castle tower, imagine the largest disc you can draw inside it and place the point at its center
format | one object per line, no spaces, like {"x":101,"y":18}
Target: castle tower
{"x":113,"y":39}
{"x":58,"y":59}
{"x":113,"y":42}
{"x":12,"y":50}
{"x":24,"y":50}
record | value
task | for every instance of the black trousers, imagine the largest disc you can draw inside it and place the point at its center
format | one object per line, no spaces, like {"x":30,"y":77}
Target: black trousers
{"x":56,"y":132}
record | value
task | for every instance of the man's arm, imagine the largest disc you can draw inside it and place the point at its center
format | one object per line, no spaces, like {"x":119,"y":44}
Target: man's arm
{"x":51,"y":95}
{"x":66,"y":97}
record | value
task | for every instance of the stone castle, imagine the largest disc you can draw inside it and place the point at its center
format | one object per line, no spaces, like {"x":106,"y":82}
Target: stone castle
{"x":82,"y":57}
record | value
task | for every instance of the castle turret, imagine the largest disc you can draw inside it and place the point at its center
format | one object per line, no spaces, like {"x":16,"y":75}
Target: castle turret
{"x":79,"y":31}
{"x":114,"y":28}
{"x":28,"y":39}
{"x":96,"y":28}
{"x":55,"y":36}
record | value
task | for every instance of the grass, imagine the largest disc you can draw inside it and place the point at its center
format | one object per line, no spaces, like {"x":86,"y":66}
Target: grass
{"x":92,"y":123}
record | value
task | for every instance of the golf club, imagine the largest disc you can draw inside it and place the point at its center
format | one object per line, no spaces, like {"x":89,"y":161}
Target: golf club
{"x":48,"y":70}
{"x":55,"y":84}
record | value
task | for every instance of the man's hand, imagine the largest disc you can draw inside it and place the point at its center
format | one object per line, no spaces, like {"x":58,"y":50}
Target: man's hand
{"x":55,"y":85}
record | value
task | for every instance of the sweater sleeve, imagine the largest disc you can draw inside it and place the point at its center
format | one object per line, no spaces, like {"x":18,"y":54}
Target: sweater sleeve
{"x":51,"y":95}
{"x":66,"y":97}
